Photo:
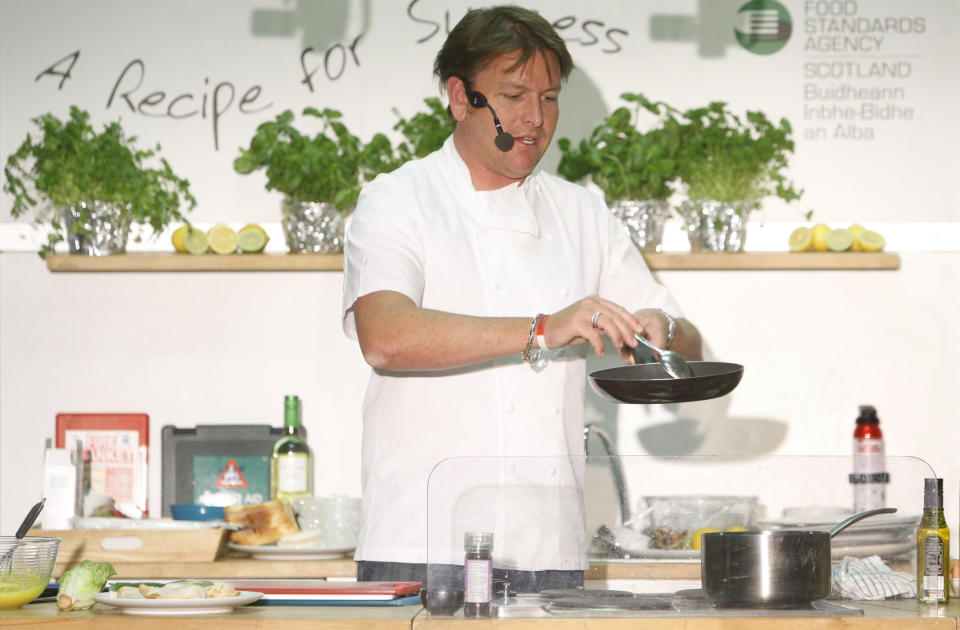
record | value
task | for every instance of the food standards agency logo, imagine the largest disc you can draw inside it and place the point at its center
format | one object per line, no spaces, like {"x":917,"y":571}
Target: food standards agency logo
{"x":763,"y":26}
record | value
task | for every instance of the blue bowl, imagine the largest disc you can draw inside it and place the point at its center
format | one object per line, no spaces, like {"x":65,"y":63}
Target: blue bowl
{"x":192,"y":512}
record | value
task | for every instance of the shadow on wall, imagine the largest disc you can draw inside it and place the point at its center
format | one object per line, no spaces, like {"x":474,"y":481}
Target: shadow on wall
{"x":695,"y":428}
{"x":702,"y":29}
{"x":581,"y":109}
{"x":319,"y":22}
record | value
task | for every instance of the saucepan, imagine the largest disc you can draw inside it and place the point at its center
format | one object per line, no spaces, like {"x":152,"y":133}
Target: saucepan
{"x":769,"y":567}
{"x":649,"y":382}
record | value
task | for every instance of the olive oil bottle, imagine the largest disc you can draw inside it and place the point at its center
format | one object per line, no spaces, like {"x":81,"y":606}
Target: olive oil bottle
{"x":933,"y":546}
{"x":291,"y":466}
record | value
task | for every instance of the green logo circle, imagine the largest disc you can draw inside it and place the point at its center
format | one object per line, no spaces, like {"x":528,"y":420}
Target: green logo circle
{"x":763,"y":26}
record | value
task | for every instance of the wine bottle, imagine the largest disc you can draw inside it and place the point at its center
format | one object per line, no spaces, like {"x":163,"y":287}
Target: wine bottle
{"x":933,"y":546}
{"x":291,"y":466}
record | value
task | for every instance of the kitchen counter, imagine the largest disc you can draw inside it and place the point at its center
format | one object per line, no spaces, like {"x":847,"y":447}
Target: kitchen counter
{"x":877,"y":616}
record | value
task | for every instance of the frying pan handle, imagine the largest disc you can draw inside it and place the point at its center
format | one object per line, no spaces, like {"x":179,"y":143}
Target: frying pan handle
{"x":842,"y":525}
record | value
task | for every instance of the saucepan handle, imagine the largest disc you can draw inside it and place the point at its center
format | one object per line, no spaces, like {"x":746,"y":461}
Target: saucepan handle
{"x":842,"y":525}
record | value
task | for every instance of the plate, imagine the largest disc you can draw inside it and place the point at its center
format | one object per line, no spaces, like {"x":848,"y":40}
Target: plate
{"x":178,"y":606}
{"x":289,"y":552}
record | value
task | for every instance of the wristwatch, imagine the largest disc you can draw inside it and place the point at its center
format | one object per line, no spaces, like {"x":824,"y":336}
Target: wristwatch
{"x":671,"y":328}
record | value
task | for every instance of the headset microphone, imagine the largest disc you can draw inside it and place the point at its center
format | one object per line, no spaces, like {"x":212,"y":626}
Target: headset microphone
{"x":504,"y":140}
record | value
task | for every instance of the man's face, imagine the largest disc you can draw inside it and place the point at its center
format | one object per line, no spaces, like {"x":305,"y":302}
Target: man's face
{"x":525,"y":100}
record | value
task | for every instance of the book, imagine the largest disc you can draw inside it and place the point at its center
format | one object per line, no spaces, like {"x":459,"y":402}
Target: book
{"x":118,"y":444}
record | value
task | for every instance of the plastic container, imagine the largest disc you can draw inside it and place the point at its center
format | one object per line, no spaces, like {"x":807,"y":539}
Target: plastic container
{"x":678,"y":517}
{"x":196,"y":512}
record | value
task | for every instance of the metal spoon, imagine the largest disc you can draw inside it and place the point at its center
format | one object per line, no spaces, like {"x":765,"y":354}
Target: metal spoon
{"x":673,"y":363}
{"x":25,"y":526}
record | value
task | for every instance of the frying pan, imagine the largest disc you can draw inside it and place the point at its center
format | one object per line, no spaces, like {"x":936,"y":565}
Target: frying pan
{"x":769,"y":568}
{"x":649,"y":382}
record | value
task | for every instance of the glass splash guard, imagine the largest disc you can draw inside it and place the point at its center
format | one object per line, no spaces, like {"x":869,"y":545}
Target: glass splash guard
{"x":554,"y":517}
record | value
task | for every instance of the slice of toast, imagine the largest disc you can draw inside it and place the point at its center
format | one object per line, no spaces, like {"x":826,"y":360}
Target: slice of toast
{"x":263,"y":523}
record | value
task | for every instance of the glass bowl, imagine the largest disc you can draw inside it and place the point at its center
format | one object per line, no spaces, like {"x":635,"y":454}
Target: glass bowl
{"x":25,"y":568}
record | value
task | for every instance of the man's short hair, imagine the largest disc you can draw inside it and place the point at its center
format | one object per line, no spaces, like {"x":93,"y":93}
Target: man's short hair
{"x":485,"y":34}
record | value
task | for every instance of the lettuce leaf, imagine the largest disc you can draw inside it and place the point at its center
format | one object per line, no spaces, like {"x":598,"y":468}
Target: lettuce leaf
{"x":79,"y":584}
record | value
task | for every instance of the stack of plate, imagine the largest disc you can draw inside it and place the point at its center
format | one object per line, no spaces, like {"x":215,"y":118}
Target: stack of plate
{"x":886,"y":535}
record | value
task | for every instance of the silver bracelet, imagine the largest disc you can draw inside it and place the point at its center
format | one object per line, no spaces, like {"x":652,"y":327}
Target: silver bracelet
{"x":530,"y":355}
{"x":671,"y":328}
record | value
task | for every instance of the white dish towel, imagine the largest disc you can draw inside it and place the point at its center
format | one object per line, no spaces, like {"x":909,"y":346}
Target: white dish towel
{"x":870,"y":579}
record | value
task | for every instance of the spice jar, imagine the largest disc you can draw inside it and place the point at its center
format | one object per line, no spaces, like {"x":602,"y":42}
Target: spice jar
{"x":477,"y":573}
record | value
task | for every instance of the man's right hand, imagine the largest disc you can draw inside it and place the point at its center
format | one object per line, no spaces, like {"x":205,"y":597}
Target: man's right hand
{"x":587,"y":320}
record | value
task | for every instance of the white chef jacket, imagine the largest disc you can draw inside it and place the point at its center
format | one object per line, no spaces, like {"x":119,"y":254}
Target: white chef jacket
{"x":528,"y":248}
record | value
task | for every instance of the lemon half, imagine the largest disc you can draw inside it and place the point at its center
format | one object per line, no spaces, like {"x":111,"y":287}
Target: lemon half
{"x":839,"y":240}
{"x":855,"y":229}
{"x":177,"y":239}
{"x":195,"y":241}
{"x":820,"y":231}
{"x":801,"y":239}
{"x":222,"y":239}
{"x":870,"y":241}
{"x":695,"y":538}
{"x":252,"y":238}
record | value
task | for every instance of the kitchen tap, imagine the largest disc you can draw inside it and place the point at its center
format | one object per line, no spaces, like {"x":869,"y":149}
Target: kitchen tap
{"x":615,"y":468}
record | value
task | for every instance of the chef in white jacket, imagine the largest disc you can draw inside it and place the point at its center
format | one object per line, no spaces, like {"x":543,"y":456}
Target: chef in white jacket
{"x":474,"y":283}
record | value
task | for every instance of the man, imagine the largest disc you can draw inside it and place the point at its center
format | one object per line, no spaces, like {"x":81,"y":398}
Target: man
{"x":460,"y":269}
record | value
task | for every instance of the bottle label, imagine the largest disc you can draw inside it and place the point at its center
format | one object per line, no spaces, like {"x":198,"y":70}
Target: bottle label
{"x":477,"y":581}
{"x":292,"y":472}
{"x":868,"y":475}
{"x":933,"y":583}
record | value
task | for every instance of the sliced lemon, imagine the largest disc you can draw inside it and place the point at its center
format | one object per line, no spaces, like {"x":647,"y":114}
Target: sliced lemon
{"x":801,"y":239}
{"x":222,"y":239}
{"x":820,"y":232}
{"x":839,"y":240}
{"x":695,"y":540}
{"x":855,"y":229}
{"x":195,"y":241}
{"x":737,"y":528}
{"x":252,"y":238}
{"x":870,"y":241}
{"x":177,"y":239}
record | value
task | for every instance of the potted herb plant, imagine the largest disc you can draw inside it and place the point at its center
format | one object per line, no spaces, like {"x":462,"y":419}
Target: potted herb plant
{"x":320,"y":175}
{"x":89,"y":187}
{"x":729,"y":165}
{"x":636,"y":170}
{"x":424,"y":132}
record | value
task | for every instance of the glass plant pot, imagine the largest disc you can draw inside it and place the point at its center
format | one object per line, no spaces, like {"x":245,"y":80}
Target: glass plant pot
{"x":644,"y":220}
{"x":97,"y":228}
{"x":716,"y":226}
{"x":310,"y":226}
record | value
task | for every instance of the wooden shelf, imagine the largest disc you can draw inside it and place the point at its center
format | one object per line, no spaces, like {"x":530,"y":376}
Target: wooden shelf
{"x":772,"y":261}
{"x":185,"y":262}
{"x":678,"y":261}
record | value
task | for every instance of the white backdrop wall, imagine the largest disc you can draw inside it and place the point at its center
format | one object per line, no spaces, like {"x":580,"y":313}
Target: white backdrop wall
{"x":191,"y":348}
{"x":869,"y":86}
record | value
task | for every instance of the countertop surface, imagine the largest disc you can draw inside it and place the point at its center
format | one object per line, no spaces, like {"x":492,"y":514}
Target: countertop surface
{"x":877,"y":615}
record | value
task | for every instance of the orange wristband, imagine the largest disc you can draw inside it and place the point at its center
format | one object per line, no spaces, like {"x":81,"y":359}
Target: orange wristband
{"x":541,"y":325}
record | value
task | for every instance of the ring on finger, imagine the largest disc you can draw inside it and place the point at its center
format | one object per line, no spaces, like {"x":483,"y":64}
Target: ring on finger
{"x":593,"y":320}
